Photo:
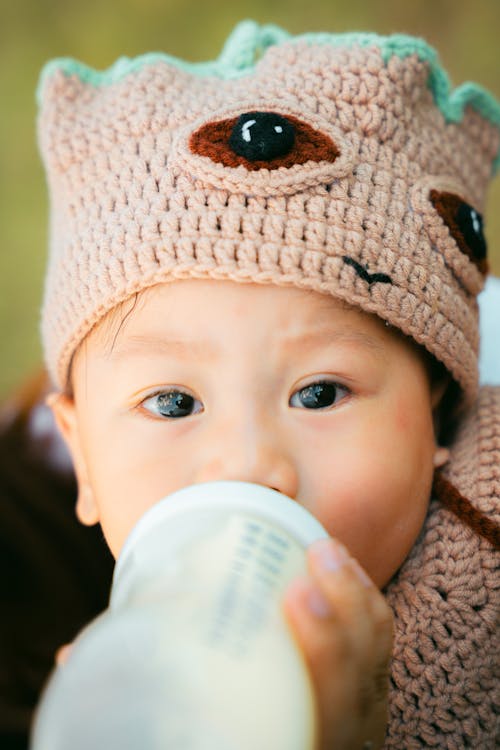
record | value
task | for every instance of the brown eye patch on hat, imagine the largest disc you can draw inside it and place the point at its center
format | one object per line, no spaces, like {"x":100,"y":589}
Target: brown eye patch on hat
{"x":465,"y":225}
{"x":217,"y":141}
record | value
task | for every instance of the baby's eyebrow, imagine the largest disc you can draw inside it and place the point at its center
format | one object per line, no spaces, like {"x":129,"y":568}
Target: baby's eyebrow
{"x":162,"y":345}
{"x":324,"y":337}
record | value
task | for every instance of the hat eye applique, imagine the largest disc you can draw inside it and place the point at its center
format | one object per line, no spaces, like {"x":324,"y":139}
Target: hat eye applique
{"x":253,"y":151}
{"x":262,"y":136}
{"x":258,"y":140}
{"x":465,"y":225}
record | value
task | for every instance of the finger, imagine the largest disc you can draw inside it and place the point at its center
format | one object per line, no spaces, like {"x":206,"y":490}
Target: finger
{"x":321,"y":641}
{"x":351,"y":593}
{"x":369,"y":626}
{"x":345,"y":710}
{"x":362,"y":609}
{"x":311,"y":617}
{"x":62,"y":654}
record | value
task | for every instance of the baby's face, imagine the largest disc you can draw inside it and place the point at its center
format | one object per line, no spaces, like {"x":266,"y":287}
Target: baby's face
{"x":210,"y":380}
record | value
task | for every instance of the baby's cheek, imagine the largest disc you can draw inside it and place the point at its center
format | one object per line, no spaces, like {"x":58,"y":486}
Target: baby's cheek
{"x":403,"y":417}
{"x":378,"y":495}
{"x":394,"y":515}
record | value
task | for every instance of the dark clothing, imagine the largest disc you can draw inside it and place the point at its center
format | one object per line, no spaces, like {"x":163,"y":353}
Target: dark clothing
{"x":55,"y":574}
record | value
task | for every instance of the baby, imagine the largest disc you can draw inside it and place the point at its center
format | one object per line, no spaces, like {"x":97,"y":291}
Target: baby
{"x":265,"y":268}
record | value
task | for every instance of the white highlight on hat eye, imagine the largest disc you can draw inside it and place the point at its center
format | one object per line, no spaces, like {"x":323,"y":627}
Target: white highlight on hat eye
{"x":278,"y":128}
{"x":244,"y":130}
{"x":475,"y":221}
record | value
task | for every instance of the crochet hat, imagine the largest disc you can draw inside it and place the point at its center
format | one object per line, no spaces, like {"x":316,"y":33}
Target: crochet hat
{"x":338,"y":163}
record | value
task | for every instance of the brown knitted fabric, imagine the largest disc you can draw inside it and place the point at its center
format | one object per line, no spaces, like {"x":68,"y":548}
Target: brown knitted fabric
{"x":446,"y":599}
{"x":453,"y":500}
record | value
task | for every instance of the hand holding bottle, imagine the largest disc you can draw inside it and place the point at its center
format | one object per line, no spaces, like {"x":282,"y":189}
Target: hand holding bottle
{"x":343,"y":626}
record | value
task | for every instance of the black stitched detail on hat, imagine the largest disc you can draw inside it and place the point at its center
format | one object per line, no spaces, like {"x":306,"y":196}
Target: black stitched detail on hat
{"x":370,"y":278}
{"x":258,"y":145}
{"x":465,"y":225}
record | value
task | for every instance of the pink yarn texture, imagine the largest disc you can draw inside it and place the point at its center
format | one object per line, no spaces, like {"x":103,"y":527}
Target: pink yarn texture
{"x":133,"y":205}
{"x":445,"y":690}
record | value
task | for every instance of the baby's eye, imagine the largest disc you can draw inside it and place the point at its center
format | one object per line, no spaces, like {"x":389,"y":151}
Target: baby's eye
{"x":172,"y":404}
{"x":319,"y":395}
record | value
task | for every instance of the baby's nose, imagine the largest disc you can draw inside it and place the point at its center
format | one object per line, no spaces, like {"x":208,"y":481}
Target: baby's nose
{"x":262,"y":135}
{"x":247,"y":456}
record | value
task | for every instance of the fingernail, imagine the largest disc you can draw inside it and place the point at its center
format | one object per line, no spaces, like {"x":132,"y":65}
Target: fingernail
{"x":62,"y":654}
{"x":362,"y":575}
{"x":330,"y":556}
{"x":319,"y":606}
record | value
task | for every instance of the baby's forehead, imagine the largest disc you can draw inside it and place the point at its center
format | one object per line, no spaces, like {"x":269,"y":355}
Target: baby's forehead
{"x":173,"y":297}
{"x":224,"y":312}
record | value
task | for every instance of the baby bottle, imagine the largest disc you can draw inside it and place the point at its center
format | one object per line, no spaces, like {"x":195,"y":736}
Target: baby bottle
{"x":194,"y":652}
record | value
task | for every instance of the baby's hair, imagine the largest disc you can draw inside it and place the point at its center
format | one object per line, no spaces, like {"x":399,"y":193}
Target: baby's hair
{"x":447,"y":413}
{"x":109,"y":326}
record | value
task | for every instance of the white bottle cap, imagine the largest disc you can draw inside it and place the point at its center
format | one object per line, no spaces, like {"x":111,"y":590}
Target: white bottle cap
{"x":238,"y":497}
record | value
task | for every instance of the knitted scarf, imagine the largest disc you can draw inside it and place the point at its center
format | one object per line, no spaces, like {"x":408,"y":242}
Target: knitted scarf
{"x":445,"y":669}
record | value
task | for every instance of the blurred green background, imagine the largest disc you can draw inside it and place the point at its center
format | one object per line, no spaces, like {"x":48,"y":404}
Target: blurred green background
{"x":98,"y":31}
